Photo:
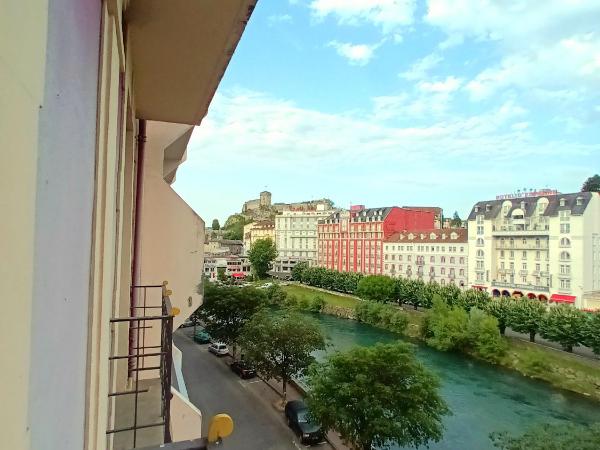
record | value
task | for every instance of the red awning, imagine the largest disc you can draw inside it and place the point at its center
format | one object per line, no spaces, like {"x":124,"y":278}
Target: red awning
{"x":559,"y":298}
{"x":478,"y":286}
{"x":238,"y":275}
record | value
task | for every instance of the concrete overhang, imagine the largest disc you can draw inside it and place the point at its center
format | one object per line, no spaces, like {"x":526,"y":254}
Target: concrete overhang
{"x":180,"y":50}
{"x":170,"y":140}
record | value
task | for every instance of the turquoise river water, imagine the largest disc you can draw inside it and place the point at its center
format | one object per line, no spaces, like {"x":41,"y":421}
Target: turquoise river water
{"x":483,"y":398}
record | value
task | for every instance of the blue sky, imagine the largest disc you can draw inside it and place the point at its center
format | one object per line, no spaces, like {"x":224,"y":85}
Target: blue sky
{"x":401,"y":102}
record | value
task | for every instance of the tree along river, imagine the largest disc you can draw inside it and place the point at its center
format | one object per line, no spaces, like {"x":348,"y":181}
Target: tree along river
{"x":483,"y":398}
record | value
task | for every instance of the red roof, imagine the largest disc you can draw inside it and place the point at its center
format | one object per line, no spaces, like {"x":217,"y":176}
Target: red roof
{"x":559,"y":298}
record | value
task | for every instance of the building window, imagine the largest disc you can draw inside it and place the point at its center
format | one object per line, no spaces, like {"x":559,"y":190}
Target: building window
{"x":480,"y":229}
{"x":565,"y":284}
{"x":565,"y":228}
{"x":443,"y":259}
{"x":565,"y":256}
{"x":452,"y":260}
{"x":461,"y":272}
{"x":524,"y":255}
{"x":565,"y":242}
{"x":432,"y":259}
{"x":480,"y":254}
{"x":479,"y":242}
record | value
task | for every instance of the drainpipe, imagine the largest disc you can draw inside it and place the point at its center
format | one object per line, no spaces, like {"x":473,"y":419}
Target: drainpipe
{"x":135,"y":263}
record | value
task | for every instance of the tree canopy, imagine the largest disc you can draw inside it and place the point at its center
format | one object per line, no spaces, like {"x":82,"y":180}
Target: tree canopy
{"x":226,"y":310}
{"x":378,"y":288}
{"x":377,"y":396}
{"x":234,"y":226}
{"x":592,"y":184}
{"x":216,"y":225}
{"x":565,"y":436}
{"x":280,"y":345}
{"x":261,"y":255}
{"x":456,"y":220}
{"x":527,"y":316}
{"x":565,"y":325}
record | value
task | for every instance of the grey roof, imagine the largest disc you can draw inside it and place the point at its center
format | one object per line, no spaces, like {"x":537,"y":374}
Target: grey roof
{"x":362,"y":214}
{"x":492,"y":208}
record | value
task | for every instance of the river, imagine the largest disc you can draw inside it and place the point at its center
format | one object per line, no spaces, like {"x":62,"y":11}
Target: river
{"x":483,"y":398}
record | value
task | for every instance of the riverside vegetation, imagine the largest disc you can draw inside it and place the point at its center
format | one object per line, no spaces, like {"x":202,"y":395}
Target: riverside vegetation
{"x":465,"y":321}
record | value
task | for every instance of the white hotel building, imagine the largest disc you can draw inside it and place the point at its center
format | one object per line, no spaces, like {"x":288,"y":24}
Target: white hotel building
{"x":432,"y":256}
{"x":296,"y":236}
{"x":545,"y":246}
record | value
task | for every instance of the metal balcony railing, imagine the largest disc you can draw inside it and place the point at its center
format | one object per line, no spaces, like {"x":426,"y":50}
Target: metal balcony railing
{"x":138,"y":324}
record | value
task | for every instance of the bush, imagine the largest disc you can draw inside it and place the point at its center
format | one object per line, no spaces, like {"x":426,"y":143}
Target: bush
{"x":381,"y":315}
{"x":378,"y":288}
{"x":447,"y":327}
{"x":303,"y":303}
{"x":276,"y":296}
{"x":291,"y":301}
{"x":484,"y":336}
{"x":535,"y":363}
{"x":317,"y":304}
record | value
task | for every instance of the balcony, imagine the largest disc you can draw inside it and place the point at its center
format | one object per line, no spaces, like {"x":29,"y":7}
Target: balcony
{"x":512,"y":230}
{"x":529,"y":287}
{"x":521,"y":246}
{"x":148,"y":411}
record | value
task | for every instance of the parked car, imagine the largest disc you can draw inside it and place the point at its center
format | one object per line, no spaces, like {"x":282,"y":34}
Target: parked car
{"x":296,"y":413}
{"x":243,"y":369}
{"x":186,"y":323}
{"x":218,"y":348}
{"x":201,"y":337}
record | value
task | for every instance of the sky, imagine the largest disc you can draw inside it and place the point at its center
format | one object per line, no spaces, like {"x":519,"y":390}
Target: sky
{"x":401,"y":102}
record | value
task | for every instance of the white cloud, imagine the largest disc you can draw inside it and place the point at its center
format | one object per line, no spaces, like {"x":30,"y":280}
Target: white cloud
{"x":279,"y":18}
{"x":387,"y":14}
{"x":421,"y":68}
{"x":356,"y":54}
{"x":450,"y":84}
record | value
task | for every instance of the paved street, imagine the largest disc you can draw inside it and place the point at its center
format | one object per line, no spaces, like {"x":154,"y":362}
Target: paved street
{"x":214,"y":389}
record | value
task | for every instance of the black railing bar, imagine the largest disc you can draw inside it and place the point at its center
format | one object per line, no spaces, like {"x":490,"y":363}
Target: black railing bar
{"x":114,"y":394}
{"x":141,"y":355}
{"x":133,"y":319}
{"x":148,"y":346}
{"x":144,"y":307}
{"x":146,"y":368}
{"x":147,"y":285}
{"x":140,"y":328}
{"x":150,"y":425}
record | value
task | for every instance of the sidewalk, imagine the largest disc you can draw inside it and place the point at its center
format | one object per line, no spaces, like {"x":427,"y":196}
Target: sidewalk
{"x":270,"y":392}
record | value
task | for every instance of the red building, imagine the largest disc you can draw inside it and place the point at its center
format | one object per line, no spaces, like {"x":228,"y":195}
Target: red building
{"x":352,"y":241}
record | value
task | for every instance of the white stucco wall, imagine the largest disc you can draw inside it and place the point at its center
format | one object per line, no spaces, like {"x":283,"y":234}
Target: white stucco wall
{"x":65,"y":192}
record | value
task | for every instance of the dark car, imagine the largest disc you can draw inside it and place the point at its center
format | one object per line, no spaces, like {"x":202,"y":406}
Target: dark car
{"x":243,"y":369}
{"x":296,"y":413}
{"x":201,"y":337}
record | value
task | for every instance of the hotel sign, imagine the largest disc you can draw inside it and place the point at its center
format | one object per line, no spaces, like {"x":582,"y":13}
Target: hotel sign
{"x":525,"y":193}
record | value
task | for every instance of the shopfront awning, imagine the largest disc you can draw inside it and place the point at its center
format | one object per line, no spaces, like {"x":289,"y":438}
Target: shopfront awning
{"x":560,"y":298}
{"x":478,"y":286}
{"x":238,"y":275}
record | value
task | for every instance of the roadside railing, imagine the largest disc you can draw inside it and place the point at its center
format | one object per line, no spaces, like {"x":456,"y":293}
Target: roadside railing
{"x":138,"y":323}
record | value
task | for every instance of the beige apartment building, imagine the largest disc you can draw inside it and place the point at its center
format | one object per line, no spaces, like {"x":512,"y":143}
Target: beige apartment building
{"x":296,"y":236}
{"x":545,"y":246}
{"x":99,"y":100}
{"x":439,"y":256}
{"x":254,"y":231}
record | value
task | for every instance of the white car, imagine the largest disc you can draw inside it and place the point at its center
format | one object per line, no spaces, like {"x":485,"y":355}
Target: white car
{"x":218,"y":348}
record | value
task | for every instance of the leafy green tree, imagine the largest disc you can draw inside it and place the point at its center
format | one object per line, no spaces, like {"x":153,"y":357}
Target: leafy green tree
{"x":456,"y":220}
{"x":261,"y":255}
{"x":234,"y":226}
{"x":221,"y":276}
{"x":377,"y":288}
{"x":382,"y":315}
{"x":592,"y":184}
{"x":565,"y":436}
{"x":446,"y":328}
{"x":227,"y":309}
{"x":280,"y":345}
{"x":298,"y":270}
{"x":317,"y":304}
{"x":471,"y":298}
{"x":484,"y":337}
{"x":500,"y":307}
{"x":215,"y":225}
{"x":377,"y":396}
{"x":565,"y":325}
{"x":592,"y":332}
{"x":275,"y":295}
{"x":527,"y":316}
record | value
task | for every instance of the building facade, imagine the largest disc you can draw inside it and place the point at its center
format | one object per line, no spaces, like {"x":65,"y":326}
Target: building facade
{"x":352,"y":240}
{"x":234,"y":266}
{"x":430,"y":255}
{"x":99,"y":100}
{"x":296,"y":236}
{"x":254,"y":231}
{"x":438,"y":213}
{"x":545,"y":247}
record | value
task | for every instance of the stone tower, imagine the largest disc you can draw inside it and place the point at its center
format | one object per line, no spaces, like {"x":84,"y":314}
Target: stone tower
{"x":265,"y":199}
